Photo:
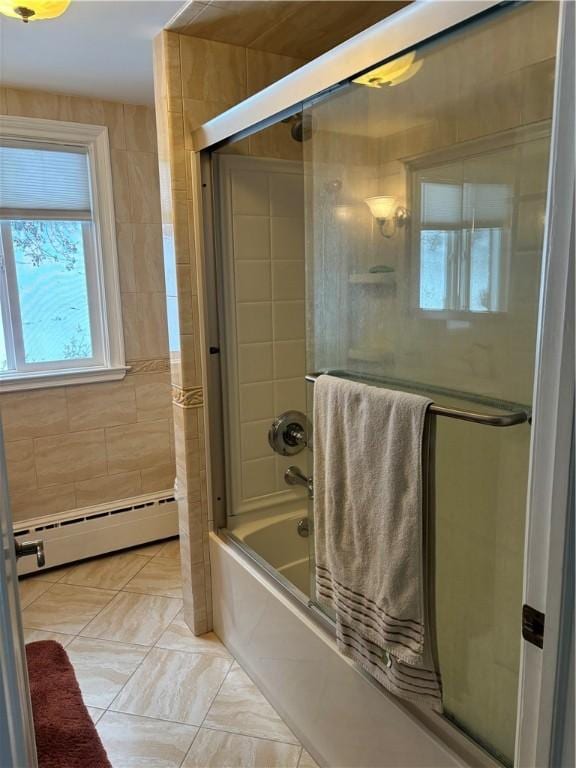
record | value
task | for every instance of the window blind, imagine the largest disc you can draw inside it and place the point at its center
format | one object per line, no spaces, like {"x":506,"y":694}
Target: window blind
{"x":44,"y":183}
{"x":441,"y":204}
{"x":453,"y":206}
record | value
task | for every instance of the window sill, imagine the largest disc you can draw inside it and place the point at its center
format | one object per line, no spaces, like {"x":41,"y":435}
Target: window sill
{"x":45,"y":379}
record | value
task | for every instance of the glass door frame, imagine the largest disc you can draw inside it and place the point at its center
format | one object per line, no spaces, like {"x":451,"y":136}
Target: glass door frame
{"x":548,"y":574}
{"x":548,"y":511}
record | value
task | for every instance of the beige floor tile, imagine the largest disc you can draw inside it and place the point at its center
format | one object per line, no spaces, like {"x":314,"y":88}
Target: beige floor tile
{"x":95,"y":713}
{"x":147,"y":550}
{"x":103,"y":668}
{"x":130,"y":618}
{"x":239,"y":707}
{"x":178,"y":637}
{"x":170,"y":685}
{"x":64,"y":608}
{"x":307,"y":761}
{"x":159,"y":576}
{"x":110,"y":572}
{"x":216,"y":749}
{"x":32,"y":588}
{"x":48,"y":575}
{"x":56,"y":574}
{"x":170,"y":550}
{"x":33,"y":635}
{"x":140,"y":742}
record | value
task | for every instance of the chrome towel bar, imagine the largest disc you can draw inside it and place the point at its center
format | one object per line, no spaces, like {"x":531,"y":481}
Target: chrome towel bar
{"x":516,"y":414}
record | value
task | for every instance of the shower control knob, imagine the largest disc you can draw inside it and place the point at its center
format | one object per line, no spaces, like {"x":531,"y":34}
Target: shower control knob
{"x":288,"y":434}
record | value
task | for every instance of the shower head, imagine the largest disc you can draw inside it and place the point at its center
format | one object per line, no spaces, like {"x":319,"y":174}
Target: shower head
{"x":300,"y":126}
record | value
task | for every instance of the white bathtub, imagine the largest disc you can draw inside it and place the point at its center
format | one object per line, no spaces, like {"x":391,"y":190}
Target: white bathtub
{"x":341,"y":716}
{"x":274,"y":537}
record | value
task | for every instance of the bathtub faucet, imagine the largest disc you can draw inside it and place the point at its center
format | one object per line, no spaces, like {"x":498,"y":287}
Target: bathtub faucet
{"x":295,"y":476}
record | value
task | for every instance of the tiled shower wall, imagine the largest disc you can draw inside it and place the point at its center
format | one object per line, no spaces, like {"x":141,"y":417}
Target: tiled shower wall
{"x":194,"y":80}
{"x":267,"y":265}
{"x":76,"y":446}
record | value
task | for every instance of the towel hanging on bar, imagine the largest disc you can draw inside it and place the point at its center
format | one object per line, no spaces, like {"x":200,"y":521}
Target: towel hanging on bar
{"x":372,"y":472}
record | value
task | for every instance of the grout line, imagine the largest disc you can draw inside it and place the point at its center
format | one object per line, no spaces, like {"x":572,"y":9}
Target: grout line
{"x":93,"y":586}
{"x":208,"y":709}
{"x":199,"y":728}
{"x":230,"y":665}
{"x":143,"y":659}
{"x":59,"y":631}
{"x":106,"y":640}
{"x":250,"y":735}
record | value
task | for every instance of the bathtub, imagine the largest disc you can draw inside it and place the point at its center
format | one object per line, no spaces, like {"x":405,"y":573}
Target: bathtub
{"x":272,"y":538}
{"x":260,"y":569}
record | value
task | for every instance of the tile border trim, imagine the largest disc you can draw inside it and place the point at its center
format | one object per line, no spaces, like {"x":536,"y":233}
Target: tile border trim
{"x":154,"y":365}
{"x":189,"y":397}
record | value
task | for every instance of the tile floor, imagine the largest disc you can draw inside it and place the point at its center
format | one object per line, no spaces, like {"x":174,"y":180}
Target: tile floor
{"x":160,"y":697}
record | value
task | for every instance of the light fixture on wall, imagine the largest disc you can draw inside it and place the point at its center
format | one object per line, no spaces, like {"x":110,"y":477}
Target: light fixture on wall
{"x":33,"y":10}
{"x":390,"y":217}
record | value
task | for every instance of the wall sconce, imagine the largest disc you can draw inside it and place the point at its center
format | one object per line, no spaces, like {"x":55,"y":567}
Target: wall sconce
{"x":389,"y":216}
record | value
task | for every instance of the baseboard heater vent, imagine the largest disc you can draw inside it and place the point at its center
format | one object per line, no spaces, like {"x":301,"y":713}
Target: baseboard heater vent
{"x":92,"y":531}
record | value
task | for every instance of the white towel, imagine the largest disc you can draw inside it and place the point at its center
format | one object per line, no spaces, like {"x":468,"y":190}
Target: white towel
{"x":371,"y":527}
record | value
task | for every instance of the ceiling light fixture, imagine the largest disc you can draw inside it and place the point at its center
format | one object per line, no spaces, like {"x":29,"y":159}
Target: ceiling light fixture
{"x":392,"y":73}
{"x":33,"y":10}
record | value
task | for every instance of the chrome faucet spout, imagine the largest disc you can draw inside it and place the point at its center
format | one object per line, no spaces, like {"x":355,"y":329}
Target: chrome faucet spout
{"x":295,"y":476}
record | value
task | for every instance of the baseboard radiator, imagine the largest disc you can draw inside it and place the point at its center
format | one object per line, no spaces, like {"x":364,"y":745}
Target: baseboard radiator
{"x":82,"y":533}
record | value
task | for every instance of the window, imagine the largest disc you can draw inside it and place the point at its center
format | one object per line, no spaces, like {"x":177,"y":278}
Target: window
{"x":463,"y":238}
{"x":60,"y":318}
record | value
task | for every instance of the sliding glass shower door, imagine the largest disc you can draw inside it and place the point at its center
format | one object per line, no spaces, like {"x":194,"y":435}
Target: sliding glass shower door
{"x":425,"y":183}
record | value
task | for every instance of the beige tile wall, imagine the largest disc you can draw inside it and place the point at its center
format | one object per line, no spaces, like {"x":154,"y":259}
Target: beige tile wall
{"x":72,"y":447}
{"x":194,"y":81}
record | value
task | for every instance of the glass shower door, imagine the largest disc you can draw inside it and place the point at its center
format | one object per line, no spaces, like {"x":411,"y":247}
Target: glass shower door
{"x":426,"y":188}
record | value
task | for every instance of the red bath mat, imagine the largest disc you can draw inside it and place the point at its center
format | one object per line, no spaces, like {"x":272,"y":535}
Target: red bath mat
{"x":65,"y":734}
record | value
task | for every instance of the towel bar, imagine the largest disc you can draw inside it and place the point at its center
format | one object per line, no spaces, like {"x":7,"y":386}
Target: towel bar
{"x":517,"y":414}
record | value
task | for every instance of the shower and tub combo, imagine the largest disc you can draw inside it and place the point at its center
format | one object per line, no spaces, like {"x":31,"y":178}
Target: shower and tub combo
{"x":382,"y":220}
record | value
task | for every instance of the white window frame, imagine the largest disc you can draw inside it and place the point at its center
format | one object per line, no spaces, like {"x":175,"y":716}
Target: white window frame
{"x":102,"y":270}
{"x":486,"y":145}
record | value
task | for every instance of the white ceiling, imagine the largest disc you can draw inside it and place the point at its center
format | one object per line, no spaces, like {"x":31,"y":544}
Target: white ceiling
{"x":98,"y":48}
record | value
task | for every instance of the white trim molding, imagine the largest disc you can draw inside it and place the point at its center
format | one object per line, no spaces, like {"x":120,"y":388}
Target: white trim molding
{"x":43,"y":379}
{"x":102,"y":273}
